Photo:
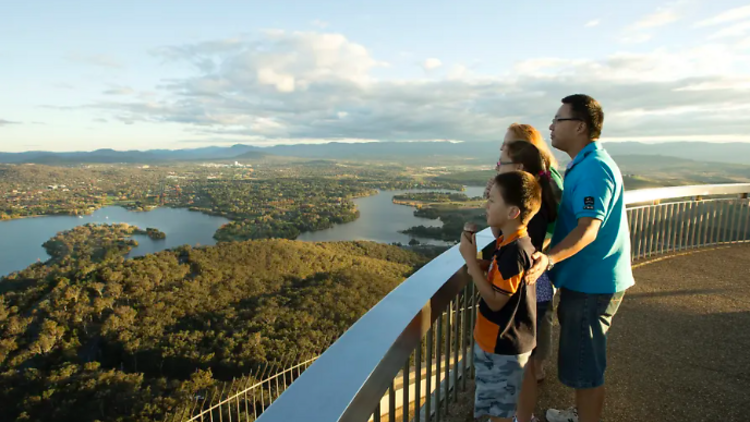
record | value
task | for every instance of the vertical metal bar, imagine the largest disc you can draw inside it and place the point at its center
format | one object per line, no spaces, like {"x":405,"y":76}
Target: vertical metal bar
{"x":417,"y":381}
{"x":673,"y":220}
{"x":456,"y":354}
{"x":746,"y":224}
{"x":735,"y":232}
{"x":376,"y":415}
{"x":405,"y":390}
{"x":658,"y":227}
{"x":704,"y":211}
{"x":392,"y":403}
{"x":668,"y":241}
{"x":464,"y":333}
{"x":448,"y":328}
{"x":633,"y":226}
{"x":682,"y":212}
{"x":221,"y":396}
{"x":474,"y":310}
{"x":211,"y":412}
{"x":255,"y":409}
{"x":711,"y":222}
{"x":429,"y":347}
{"x":652,"y":231}
{"x":262,"y":399}
{"x":276,"y":379}
{"x":694,"y":205}
{"x":641,"y":217}
{"x":629,"y":215}
{"x":438,"y":361}
{"x":719,"y":220}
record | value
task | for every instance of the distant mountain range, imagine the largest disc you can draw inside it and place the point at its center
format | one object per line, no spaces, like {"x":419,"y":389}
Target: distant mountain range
{"x":737,"y":153}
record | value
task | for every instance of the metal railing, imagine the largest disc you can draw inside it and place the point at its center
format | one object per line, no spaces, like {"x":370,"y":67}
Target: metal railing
{"x":407,"y":358}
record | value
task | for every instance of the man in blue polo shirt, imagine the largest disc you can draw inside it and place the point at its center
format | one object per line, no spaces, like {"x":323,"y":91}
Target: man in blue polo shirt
{"x":589,"y":257}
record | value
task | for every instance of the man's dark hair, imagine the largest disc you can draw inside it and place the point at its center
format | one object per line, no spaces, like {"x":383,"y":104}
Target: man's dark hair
{"x":589,"y":110}
{"x":520,"y":189}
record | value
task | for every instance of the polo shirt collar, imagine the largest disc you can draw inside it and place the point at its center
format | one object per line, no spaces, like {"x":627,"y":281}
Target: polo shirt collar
{"x":588,"y":149}
{"x":504,"y":240}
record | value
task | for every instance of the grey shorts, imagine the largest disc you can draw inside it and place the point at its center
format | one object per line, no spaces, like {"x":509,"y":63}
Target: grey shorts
{"x":498,"y":383}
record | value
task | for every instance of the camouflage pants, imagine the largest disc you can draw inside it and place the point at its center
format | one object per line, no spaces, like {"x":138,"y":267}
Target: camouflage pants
{"x":498,"y":383}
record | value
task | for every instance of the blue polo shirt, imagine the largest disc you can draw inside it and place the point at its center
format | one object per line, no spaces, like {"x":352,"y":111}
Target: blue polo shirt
{"x":593,"y":187}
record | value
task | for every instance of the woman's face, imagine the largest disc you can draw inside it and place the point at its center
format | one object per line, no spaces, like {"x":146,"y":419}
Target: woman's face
{"x":509,"y":137}
{"x":506,"y":164}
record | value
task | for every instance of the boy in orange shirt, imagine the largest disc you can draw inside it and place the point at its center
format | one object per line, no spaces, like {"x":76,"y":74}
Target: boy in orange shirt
{"x":505,"y":332}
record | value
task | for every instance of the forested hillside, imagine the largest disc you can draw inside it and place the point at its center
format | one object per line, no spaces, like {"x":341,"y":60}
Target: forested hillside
{"x":104,"y":338}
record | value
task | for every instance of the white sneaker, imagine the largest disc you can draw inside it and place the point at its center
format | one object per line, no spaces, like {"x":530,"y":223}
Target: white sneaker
{"x":567,"y":415}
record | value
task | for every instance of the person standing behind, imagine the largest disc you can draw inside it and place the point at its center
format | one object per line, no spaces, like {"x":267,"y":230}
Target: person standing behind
{"x":526,"y":157}
{"x":589,"y":257}
{"x":521,"y":132}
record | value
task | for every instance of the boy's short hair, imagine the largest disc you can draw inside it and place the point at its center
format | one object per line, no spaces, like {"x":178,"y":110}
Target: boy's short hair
{"x":520,"y":189}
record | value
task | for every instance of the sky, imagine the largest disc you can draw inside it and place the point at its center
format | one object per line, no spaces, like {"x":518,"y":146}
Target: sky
{"x":84,"y":75}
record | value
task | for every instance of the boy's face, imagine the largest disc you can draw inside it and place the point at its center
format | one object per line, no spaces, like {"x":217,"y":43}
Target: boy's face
{"x":498,"y":212}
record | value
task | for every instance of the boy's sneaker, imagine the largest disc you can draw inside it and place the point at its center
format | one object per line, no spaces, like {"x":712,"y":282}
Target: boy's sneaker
{"x":567,"y":415}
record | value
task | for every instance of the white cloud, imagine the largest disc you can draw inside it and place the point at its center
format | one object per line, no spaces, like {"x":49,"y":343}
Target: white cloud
{"x":431,"y":63}
{"x":592,"y":23}
{"x":662,"y":16}
{"x":311,"y":87}
{"x":736,"y":30}
{"x":731,"y":15}
{"x":101,"y":60}
{"x":319,"y":24}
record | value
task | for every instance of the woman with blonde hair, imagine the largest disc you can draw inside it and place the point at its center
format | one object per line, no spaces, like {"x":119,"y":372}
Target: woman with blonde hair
{"x":527,"y":133}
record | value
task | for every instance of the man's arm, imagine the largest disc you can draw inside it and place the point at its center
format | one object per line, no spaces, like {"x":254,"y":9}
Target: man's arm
{"x":590,"y":202}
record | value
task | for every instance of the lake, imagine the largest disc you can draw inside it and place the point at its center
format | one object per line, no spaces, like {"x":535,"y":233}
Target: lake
{"x":21,"y":240}
{"x":380,"y":221}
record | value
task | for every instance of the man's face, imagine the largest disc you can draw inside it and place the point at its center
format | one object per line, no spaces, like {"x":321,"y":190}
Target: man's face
{"x":564,"y":128}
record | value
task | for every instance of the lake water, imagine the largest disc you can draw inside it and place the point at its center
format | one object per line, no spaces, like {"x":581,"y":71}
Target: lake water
{"x":380,"y":221}
{"x":21,"y":240}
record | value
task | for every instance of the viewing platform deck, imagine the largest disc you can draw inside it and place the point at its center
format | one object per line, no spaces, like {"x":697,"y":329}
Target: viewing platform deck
{"x":679,"y":347}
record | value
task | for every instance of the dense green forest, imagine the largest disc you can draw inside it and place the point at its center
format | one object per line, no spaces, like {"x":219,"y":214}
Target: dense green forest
{"x":431,"y":197}
{"x":102,"y":338}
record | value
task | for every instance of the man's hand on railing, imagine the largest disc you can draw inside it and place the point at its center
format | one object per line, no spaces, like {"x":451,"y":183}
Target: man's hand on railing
{"x":538,"y":267}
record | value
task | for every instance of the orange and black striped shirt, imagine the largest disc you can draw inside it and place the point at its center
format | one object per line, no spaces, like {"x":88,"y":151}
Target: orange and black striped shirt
{"x":512,"y":329}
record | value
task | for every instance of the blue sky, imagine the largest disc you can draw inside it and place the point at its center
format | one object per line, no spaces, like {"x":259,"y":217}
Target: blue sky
{"x":82,"y":75}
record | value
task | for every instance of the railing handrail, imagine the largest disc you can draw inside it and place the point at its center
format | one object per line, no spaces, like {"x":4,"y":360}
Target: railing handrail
{"x":659,"y":194}
{"x":353,"y":373}
{"x":348,"y":378}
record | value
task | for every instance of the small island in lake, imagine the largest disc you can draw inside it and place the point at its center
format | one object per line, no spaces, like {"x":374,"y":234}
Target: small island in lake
{"x":95,"y":242}
{"x":155,"y":234}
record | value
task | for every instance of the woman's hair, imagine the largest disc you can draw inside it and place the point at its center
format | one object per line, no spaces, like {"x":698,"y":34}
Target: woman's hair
{"x":529,"y":156}
{"x":524,"y":132}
